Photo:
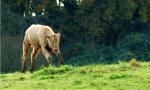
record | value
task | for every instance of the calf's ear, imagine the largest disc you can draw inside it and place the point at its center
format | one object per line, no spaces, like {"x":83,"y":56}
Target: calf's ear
{"x":59,"y":34}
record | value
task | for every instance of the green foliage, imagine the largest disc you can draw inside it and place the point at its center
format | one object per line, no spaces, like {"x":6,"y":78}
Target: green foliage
{"x":102,"y":55}
{"x":138,"y":44}
{"x":93,"y":31}
{"x":73,"y":49}
{"x":9,"y":24}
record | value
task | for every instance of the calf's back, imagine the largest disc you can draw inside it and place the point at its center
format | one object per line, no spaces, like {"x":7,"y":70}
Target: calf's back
{"x":36,"y":34}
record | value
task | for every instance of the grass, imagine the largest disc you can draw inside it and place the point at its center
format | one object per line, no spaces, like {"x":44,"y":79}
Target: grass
{"x":120,"y":76}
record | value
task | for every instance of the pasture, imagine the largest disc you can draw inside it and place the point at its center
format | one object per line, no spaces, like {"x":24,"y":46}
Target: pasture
{"x":120,"y":76}
{"x":105,"y":45}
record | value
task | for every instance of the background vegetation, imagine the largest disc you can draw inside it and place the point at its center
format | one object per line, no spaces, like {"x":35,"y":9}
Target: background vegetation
{"x":93,"y":31}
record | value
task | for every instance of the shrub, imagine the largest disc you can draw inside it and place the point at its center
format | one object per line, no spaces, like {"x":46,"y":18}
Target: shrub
{"x":123,"y":55}
{"x":138,"y":44}
{"x":72,"y":49}
{"x":101,"y":55}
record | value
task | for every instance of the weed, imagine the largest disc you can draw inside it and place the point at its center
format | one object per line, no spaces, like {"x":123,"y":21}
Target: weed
{"x":119,"y":76}
{"x":134,"y":63}
{"x":77,"y":82}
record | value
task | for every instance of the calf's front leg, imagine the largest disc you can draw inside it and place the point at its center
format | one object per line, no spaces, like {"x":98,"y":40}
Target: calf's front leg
{"x":47,"y":55}
{"x":61,"y":61}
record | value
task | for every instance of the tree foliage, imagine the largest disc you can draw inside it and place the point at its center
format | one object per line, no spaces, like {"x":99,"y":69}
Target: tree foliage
{"x":85,"y":25}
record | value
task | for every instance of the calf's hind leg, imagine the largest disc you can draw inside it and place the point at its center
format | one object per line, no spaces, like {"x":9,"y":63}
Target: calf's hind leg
{"x":25,"y":56}
{"x":33,"y":56}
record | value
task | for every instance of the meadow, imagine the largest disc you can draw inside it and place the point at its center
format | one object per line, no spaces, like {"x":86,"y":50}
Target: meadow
{"x":98,"y":40}
{"x":121,"y":76}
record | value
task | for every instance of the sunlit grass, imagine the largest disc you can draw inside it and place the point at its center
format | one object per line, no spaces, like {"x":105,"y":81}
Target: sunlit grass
{"x":120,"y":76}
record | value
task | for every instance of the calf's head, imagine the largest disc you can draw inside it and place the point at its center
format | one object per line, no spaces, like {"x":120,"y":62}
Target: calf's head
{"x":53,"y":43}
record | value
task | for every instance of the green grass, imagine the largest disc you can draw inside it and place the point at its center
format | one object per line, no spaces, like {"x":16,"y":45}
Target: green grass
{"x":92,"y":77}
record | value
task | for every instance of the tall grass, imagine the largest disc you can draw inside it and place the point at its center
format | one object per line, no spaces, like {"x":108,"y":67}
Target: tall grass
{"x":10,"y":53}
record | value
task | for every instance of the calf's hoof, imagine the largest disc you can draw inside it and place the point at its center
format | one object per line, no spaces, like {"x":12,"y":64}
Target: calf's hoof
{"x":62,"y":62}
{"x":31,"y":70}
{"x":23,"y":71}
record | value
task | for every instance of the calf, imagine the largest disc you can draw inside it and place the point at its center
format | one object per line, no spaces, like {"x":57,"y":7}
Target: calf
{"x":40,"y":38}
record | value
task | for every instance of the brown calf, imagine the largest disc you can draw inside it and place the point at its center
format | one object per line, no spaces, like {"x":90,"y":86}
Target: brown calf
{"x":40,"y":37}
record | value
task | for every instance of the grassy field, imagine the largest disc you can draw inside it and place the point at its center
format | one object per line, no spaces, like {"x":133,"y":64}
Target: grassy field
{"x":120,"y":76}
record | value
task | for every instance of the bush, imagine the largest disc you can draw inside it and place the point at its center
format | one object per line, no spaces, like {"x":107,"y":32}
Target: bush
{"x":72,"y":49}
{"x":123,"y":55}
{"x":137,"y":44}
{"x":101,"y":55}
